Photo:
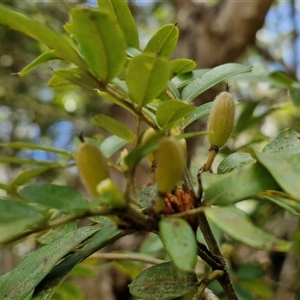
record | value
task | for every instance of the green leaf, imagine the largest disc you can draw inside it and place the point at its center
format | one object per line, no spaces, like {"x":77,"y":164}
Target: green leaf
{"x":55,"y":233}
{"x":16,"y":217}
{"x":183,"y":79}
{"x":171,"y":111}
{"x":101,"y":41}
{"x":135,"y":155}
{"x":44,"y":57}
{"x":181,"y":66}
{"x":77,"y":77}
{"x":107,"y":235}
{"x":120,"y":11}
{"x":237,"y":185}
{"x":111,"y":145}
{"x":42,"y":33}
{"x":235,"y":161}
{"x":200,"y":111}
{"x":295,"y":93}
{"x":247,"y":119}
{"x":236,"y":224}
{"x":54,"y":196}
{"x":288,"y":141}
{"x":163,"y":281}
{"x":16,"y":160}
{"x":147,"y":195}
{"x":115,"y":127}
{"x":284,"y":167}
{"x":24,"y":145}
{"x":179,"y":241}
{"x":164,"y":41}
{"x":146,"y":77}
{"x":19,"y":282}
{"x":281,"y":199}
{"x":28,"y":175}
{"x":211,"y":78}
{"x":281,"y":79}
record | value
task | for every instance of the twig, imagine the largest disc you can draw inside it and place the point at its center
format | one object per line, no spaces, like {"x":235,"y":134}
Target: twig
{"x":206,"y":281}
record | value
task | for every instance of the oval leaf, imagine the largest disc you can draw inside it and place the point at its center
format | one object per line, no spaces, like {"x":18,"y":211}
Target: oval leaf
{"x":121,"y":12}
{"x":237,"y":225}
{"x":171,"y":111}
{"x":54,"y":196}
{"x":237,"y":185}
{"x":146,"y":78}
{"x":115,"y":127}
{"x":179,"y":241}
{"x":163,"y":281}
{"x":211,"y":78}
{"x":285,"y":169}
{"x":164,"y":41}
{"x":101,"y":41}
{"x":182,"y":65}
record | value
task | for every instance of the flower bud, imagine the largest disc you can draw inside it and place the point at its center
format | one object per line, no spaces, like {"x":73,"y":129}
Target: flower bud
{"x":170,"y":164}
{"x":111,"y":195}
{"x":221,"y":119}
{"x":122,"y":163}
{"x":92,"y":166}
{"x":148,"y":134}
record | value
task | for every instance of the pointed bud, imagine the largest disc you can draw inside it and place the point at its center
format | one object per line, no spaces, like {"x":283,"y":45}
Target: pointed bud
{"x":122,"y":163}
{"x":221,"y":119}
{"x":92,"y":166}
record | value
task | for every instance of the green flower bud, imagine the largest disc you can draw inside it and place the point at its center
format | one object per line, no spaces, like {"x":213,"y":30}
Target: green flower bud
{"x":92,"y":166}
{"x":170,"y":164}
{"x":111,"y":195}
{"x":221,"y":119}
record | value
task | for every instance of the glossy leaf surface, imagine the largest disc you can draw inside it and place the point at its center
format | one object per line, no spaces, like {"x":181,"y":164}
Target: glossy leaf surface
{"x":237,"y":225}
{"x":146,"y":77}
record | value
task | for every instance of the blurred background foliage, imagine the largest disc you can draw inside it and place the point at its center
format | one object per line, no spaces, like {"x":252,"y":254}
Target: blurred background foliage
{"x":32,"y":111}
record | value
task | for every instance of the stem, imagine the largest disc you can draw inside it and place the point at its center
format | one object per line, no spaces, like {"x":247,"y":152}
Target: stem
{"x":213,"y":151}
{"x":206,"y":281}
{"x":122,"y":256}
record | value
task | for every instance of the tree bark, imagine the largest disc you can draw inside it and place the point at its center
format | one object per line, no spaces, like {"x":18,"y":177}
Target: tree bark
{"x":214,"y":35}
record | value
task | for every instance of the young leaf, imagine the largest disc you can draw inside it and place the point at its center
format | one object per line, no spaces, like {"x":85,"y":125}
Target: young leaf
{"x":237,"y":225}
{"x":171,"y":111}
{"x":77,"y":77}
{"x":164,"y":41}
{"x":121,"y":12}
{"x":179,"y":241}
{"x":101,"y":41}
{"x":44,"y":57}
{"x":19,"y":282}
{"x":163,"y":281}
{"x":42,"y":33}
{"x":183,"y":79}
{"x":181,"y":66}
{"x":54,"y":196}
{"x":115,"y":127}
{"x":237,"y":185}
{"x":111,"y":145}
{"x":146,"y":77}
{"x":284,"y":167}
{"x":211,"y":78}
